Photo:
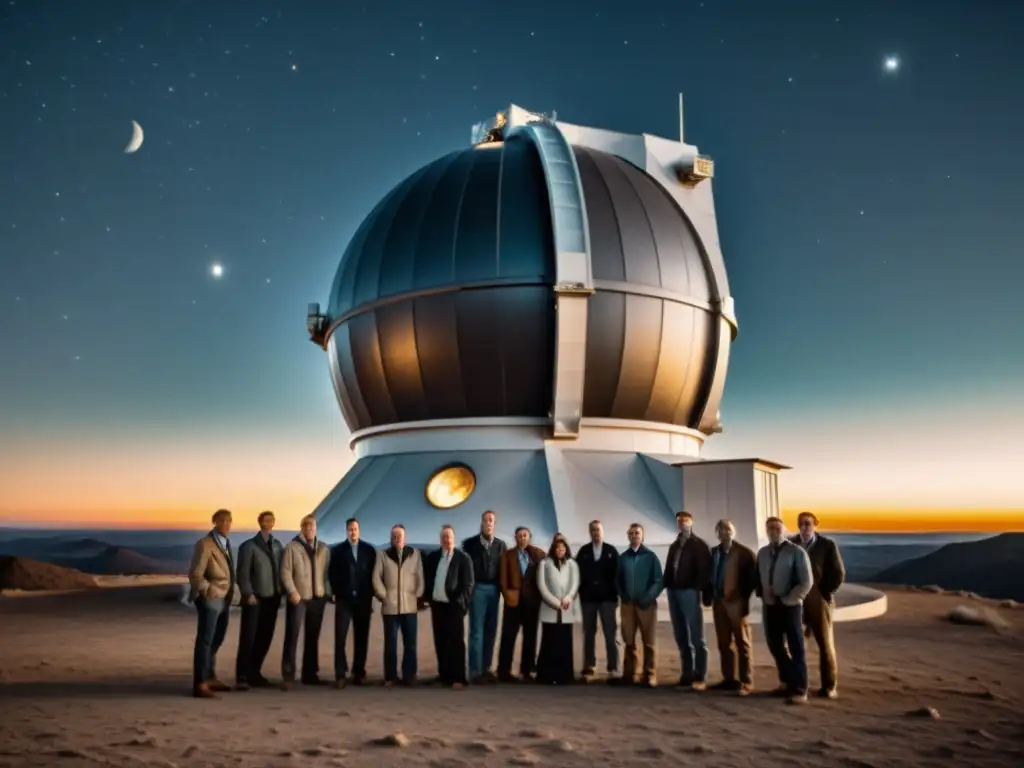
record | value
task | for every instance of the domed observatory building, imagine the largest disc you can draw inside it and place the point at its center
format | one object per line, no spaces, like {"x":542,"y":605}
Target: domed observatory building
{"x":538,"y":324}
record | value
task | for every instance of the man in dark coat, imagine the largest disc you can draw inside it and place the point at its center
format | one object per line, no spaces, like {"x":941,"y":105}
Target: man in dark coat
{"x":829,"y":574}
{"x":351,"y":577}
{"x":259,"y":581}
{"x":448,"y":590}
{"x":485,"y":550}
{"x":599,"y":597}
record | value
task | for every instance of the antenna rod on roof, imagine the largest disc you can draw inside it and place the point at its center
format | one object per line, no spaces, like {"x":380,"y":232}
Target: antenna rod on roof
{"x":682,"y":140}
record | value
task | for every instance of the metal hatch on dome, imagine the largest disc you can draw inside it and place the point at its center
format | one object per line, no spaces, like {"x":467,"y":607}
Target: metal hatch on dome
{"x":316,"y":324}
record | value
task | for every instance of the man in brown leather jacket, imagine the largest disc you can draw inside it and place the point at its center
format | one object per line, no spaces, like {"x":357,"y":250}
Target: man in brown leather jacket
{"x":517,"y":574}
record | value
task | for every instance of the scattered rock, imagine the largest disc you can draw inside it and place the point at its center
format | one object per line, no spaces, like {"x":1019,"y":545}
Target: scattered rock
{"x":533,"y":733}
{"x":286,"y":754}
{"x":73,"y":753}
{"x":479,"y":746}
{"x":979,"y":617}
{"x":141,"y":741}
{"x":824,"y":744}
{"x":935,"y":589}
{"x":703,"y":749}
{"x":397,"y":739}
{"x":523,"y":759}
{"x":559,"y":745}
{"x":651,"y":751}
{"x":190,"y":750}
{"x":437,"y":741}
{"x":981,"y":734}
{"x":930,"y":712}
{"x":1011,"y":604}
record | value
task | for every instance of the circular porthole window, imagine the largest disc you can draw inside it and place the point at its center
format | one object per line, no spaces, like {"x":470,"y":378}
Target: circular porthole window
{"x":450,"y":486}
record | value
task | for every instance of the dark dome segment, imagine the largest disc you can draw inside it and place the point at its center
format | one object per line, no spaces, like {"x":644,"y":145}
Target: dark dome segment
{"x":652,"y":328}
{"x":442,"y":305}
{"x":473,"y":215}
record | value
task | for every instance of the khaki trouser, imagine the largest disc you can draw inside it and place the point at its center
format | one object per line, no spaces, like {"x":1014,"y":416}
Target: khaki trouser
{"x":818,"y":619}
{"x":732,"y":629}
{"x":646,"y":620}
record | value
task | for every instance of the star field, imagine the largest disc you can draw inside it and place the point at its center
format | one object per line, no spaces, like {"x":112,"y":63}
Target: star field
{"x":867,"y":191}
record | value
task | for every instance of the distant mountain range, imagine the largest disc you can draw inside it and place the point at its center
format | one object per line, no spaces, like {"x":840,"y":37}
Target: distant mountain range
{"x":97,"y":557}
{"x":991,"y":567}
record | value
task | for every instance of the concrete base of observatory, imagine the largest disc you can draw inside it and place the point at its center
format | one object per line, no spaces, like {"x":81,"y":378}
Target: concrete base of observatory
{"x":616,"y":471}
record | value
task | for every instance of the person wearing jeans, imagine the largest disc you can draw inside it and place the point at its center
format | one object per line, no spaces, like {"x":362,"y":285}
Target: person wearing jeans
{"x":485,"y":551}
{"x":211,"y":579}
{"x":687,"y":574}
{"x":783,"y":581}
{"x":398,"y":584}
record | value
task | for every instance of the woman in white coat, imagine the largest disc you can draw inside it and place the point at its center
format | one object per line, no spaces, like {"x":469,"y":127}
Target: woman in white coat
{"x":559,"y":582}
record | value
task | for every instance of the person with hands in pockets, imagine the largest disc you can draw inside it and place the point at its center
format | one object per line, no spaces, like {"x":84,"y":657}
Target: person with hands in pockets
{"x":304,"y":566}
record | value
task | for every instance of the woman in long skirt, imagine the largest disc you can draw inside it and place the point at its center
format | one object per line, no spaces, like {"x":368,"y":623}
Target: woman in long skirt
{"x":558,"y":581}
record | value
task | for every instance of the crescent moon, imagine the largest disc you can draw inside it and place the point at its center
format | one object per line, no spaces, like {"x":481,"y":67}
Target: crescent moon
{"x":136,"y":140}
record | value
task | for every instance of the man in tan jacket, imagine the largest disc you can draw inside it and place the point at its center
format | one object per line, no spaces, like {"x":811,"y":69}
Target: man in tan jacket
{"x":305,"y":584}
{"x":398,"y":584}
{"x":211,"y":579}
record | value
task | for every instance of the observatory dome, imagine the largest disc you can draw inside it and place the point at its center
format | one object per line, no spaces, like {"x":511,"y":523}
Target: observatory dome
{"x":443,"y":305}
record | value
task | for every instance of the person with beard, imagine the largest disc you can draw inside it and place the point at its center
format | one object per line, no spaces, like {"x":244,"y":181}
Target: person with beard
{"x":783,"y":581}
{"x":733,"y":576}
{"x":687,"y":569}
{"x":518,"y":577}
{"x":448,"y":588}
{"x":351,"y":578}
{"x":259,"y":581}
{"x":304,"y":567}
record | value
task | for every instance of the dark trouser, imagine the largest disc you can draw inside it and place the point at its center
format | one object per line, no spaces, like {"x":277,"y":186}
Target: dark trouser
{"x":449,"y":628}
{"x":358,"y":617}
{"x":554,"y":665}
{"x":513,"y":619}
{"x":818,"y":618}
{"x":406,"y":622}
{"x":254,"y":637}
{"x":732,"y":630}
{"x":591,"y":612}
{"x":483,"y":626}
{"x":308,"y":617}
{"x":213,"y":625}
{"x":783,"y":626}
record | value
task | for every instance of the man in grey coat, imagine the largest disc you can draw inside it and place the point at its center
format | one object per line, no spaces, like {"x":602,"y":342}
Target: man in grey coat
{"x":259,"y":581}
{"x":783,"y":581}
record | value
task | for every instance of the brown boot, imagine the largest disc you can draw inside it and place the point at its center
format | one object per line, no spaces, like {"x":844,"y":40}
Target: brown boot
{"x":218,"y":686}
{"x":202,"y":691}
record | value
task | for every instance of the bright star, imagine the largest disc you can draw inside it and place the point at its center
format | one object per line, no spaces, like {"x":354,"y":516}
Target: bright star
{"x":217,"y":270}
{"x":891,"y":63}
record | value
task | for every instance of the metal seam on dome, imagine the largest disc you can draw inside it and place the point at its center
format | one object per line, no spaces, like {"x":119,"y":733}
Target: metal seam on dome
{"x":497,"y":225}
{"x":458,"y":210}
{"x":506,"y":282}
{"x":617,"y":163}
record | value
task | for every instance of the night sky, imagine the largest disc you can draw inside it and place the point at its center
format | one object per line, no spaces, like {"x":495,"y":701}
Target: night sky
{"x":870,"y":217}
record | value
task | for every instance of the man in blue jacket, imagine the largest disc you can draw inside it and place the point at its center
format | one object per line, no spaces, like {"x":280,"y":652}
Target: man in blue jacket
{"x":640,"y":583}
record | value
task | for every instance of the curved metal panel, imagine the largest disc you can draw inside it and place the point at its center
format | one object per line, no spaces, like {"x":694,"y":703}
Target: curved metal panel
{"x":573,"y":279}
{"x":651,"y":347}
{"x":638,"y":233}
{"x":474,"y":353}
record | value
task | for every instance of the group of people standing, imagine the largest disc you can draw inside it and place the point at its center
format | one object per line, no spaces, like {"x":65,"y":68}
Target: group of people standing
{"x":538,"y":593}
